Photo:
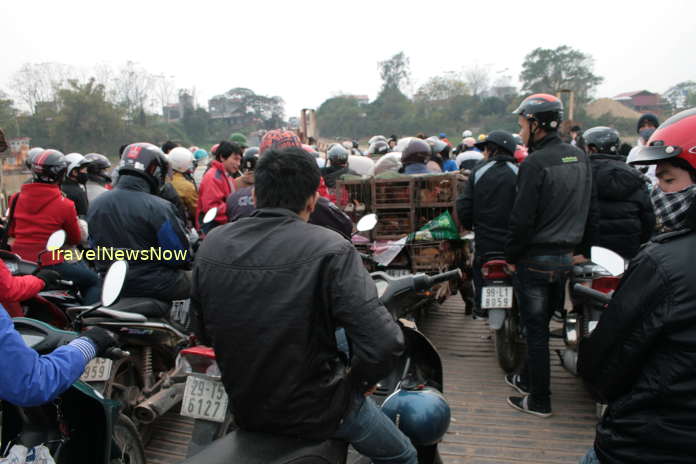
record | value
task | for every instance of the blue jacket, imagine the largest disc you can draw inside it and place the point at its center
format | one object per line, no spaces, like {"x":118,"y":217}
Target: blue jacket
{"x":130,"y":217}
{"x":27,"y":379}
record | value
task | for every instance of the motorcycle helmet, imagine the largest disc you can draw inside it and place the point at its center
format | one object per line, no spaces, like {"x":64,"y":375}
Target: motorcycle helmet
{"x":147,"y":161}
{"x":278,"y":139}
{"x":467,"y":133}
{"x":417,"y":151}
{"x":518,"y":139}
{"x":97,"y":163}
{"x":49,"y":167}
{"x":250,"y":158}
{"x":240,"y":139}
{"x":436,"y":145}
{"x":422,"y":415}
{"x":543,"y":108}
{"x":338,"y":155}
{"x":181,"y":159}
{"x":76,"y":161}
{"x":375,"y":138}
{"x":501,"y":139}
{"x":379,"y":147}
{"x":30,"y":155}
{"x":675,"y":138}
{"x":603,"y":139}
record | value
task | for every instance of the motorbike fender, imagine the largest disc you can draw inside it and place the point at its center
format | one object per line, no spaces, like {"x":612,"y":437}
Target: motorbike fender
{"x":496,"y":318}
{"x":424,"y":354}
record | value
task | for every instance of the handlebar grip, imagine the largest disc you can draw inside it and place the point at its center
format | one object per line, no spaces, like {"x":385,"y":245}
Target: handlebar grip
{"x":116,"y":353}
{"x":445,"y":276}
{"x":581,"y":290}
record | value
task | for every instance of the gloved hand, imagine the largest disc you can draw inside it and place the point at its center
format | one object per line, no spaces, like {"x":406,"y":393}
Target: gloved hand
{"x":49,"y":277}
{"x":101,"y":338}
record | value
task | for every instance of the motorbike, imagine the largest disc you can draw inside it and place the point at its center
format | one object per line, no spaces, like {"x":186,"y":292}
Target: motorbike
{"x":498,"y":297}
{"x":420,"y":367}
{"x":80,"y":425}
{"x":603,"y":274}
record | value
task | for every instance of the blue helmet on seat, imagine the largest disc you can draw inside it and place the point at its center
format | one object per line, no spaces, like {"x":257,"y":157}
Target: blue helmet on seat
{"x":422,"y":415}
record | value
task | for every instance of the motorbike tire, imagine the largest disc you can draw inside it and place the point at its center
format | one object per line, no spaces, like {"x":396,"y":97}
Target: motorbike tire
{"x":508,"y":349}
{"x":126,"y":437}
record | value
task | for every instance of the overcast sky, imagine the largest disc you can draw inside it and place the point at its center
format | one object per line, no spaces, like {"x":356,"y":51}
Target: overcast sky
{"x":307,"y":51}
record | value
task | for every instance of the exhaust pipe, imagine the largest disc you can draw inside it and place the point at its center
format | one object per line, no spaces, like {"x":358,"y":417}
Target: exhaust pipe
{"x":157,"y":405}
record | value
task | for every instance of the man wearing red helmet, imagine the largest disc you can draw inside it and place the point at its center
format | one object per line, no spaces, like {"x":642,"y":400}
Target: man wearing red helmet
{"x":554,"y":217}
{"x":641,"y":357}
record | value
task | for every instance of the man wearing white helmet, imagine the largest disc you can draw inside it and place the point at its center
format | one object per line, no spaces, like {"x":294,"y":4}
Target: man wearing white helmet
{"x":469,"y":156}
{"x":74,"y":184}
{"x":181,"y":161}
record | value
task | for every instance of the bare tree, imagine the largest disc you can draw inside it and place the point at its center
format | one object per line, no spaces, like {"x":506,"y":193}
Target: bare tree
{"x":164,"y":88}
{"x":133,"y":86}
{"x":39,"y":82}
{"x":477,"y":79}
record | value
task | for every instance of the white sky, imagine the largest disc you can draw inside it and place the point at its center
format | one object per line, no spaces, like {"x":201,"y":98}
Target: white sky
{"x":307,"y":51}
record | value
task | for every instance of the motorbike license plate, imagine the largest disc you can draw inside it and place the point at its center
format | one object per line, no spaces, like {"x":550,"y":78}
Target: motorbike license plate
{"x":204,"y":399}
{"x":97,"y":370}
{"x":496,"y":297}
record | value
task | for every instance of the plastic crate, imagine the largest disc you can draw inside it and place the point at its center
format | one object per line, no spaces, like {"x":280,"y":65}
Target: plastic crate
{"x":393,"y":193}
{"x":393,"y":224}
{"x":437,"y":190}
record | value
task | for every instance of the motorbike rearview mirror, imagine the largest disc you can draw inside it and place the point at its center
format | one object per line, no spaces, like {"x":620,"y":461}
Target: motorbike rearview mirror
{"x":609,"y":260}
{"x":56,"y":240}
{"x":113,"y":282}
{"x":367,"y":222}
{"x":210,"y":215}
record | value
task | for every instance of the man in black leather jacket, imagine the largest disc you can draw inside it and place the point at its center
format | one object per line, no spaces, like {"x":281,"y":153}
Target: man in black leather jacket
{"x":269,"y":292}
{"x":641,"y":356}
{"x":553,"y":218}
{"x":626,"y":217}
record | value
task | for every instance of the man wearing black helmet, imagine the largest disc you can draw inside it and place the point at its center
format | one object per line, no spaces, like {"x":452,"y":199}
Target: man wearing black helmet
{"x":553,"y":218}
{"x":97,"y":175}
{"x":626,"y":218}
{"x":484,"y":205}
{"x":338,"y":165}
{"x":134,"y":217}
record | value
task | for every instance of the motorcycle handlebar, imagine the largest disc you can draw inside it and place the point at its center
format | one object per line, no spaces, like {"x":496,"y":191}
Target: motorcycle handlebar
{"x":429,"y":281}
{"x":116,"y":353}
{"x":65,"y":283}
{"x":581,"y":290}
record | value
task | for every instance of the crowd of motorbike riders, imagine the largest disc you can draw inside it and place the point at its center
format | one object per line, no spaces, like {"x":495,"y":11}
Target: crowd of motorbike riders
{"x":275,"y":275}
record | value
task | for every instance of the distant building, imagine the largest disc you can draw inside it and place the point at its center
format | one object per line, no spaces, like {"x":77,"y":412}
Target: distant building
{"x":643,"y":101}
{"x":361,"y":99}
{"x":223,"y":107}
{"x":172,"y":112}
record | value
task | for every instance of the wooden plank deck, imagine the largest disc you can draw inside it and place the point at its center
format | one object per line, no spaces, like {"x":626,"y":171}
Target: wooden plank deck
{"x":484,"y":428}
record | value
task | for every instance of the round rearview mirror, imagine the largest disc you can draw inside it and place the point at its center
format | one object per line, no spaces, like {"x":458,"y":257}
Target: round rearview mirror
{"x":113,"y":282}
{"x":210,"y":215}
{"x":367,"y":222}
{"x":56,"y":240}
{"x":609,"y":260}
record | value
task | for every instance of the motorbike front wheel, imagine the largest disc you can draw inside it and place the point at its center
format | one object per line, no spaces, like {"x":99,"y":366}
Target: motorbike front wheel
{"x":130,"y":447}
{"x":508,"y":349}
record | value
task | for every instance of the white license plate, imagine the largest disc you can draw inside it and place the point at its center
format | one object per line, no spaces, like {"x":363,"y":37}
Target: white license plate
{"x":496,"y":297}
{"x":97,"y":370}
{"x":204,"y":399}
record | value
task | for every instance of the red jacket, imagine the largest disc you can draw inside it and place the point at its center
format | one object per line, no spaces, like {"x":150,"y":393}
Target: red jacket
{"x":215,"y":187}
{"x":41,"y":210}
{"x":17,"y":288}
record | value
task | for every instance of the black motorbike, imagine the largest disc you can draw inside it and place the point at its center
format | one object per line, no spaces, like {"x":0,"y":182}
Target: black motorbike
{"x":419,"y":367}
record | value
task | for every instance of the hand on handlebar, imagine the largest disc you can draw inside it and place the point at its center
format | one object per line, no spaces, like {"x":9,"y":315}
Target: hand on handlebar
{"x":104,"y":341}
{"x":50,"y":277}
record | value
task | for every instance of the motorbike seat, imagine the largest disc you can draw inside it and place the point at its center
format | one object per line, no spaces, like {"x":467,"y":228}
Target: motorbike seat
{"x":148,"y":307}
{"x":262,"y":448}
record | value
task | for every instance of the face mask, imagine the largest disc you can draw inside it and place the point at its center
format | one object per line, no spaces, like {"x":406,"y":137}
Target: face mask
{"x":82,"y":177}
{"x":645,"y":134}
{"x":671,"y":208}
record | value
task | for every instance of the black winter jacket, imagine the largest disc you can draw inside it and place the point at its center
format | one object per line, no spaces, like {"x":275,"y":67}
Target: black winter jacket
{"x":626,"y":217}
{"x":642,"y":357}
{"x":130,"y":217}
{"x":269,"y":292}
{"x":485,"y":203}
{"x":77,"y":193}
{"x":555,"y":209}
{"x":332,"y":173}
